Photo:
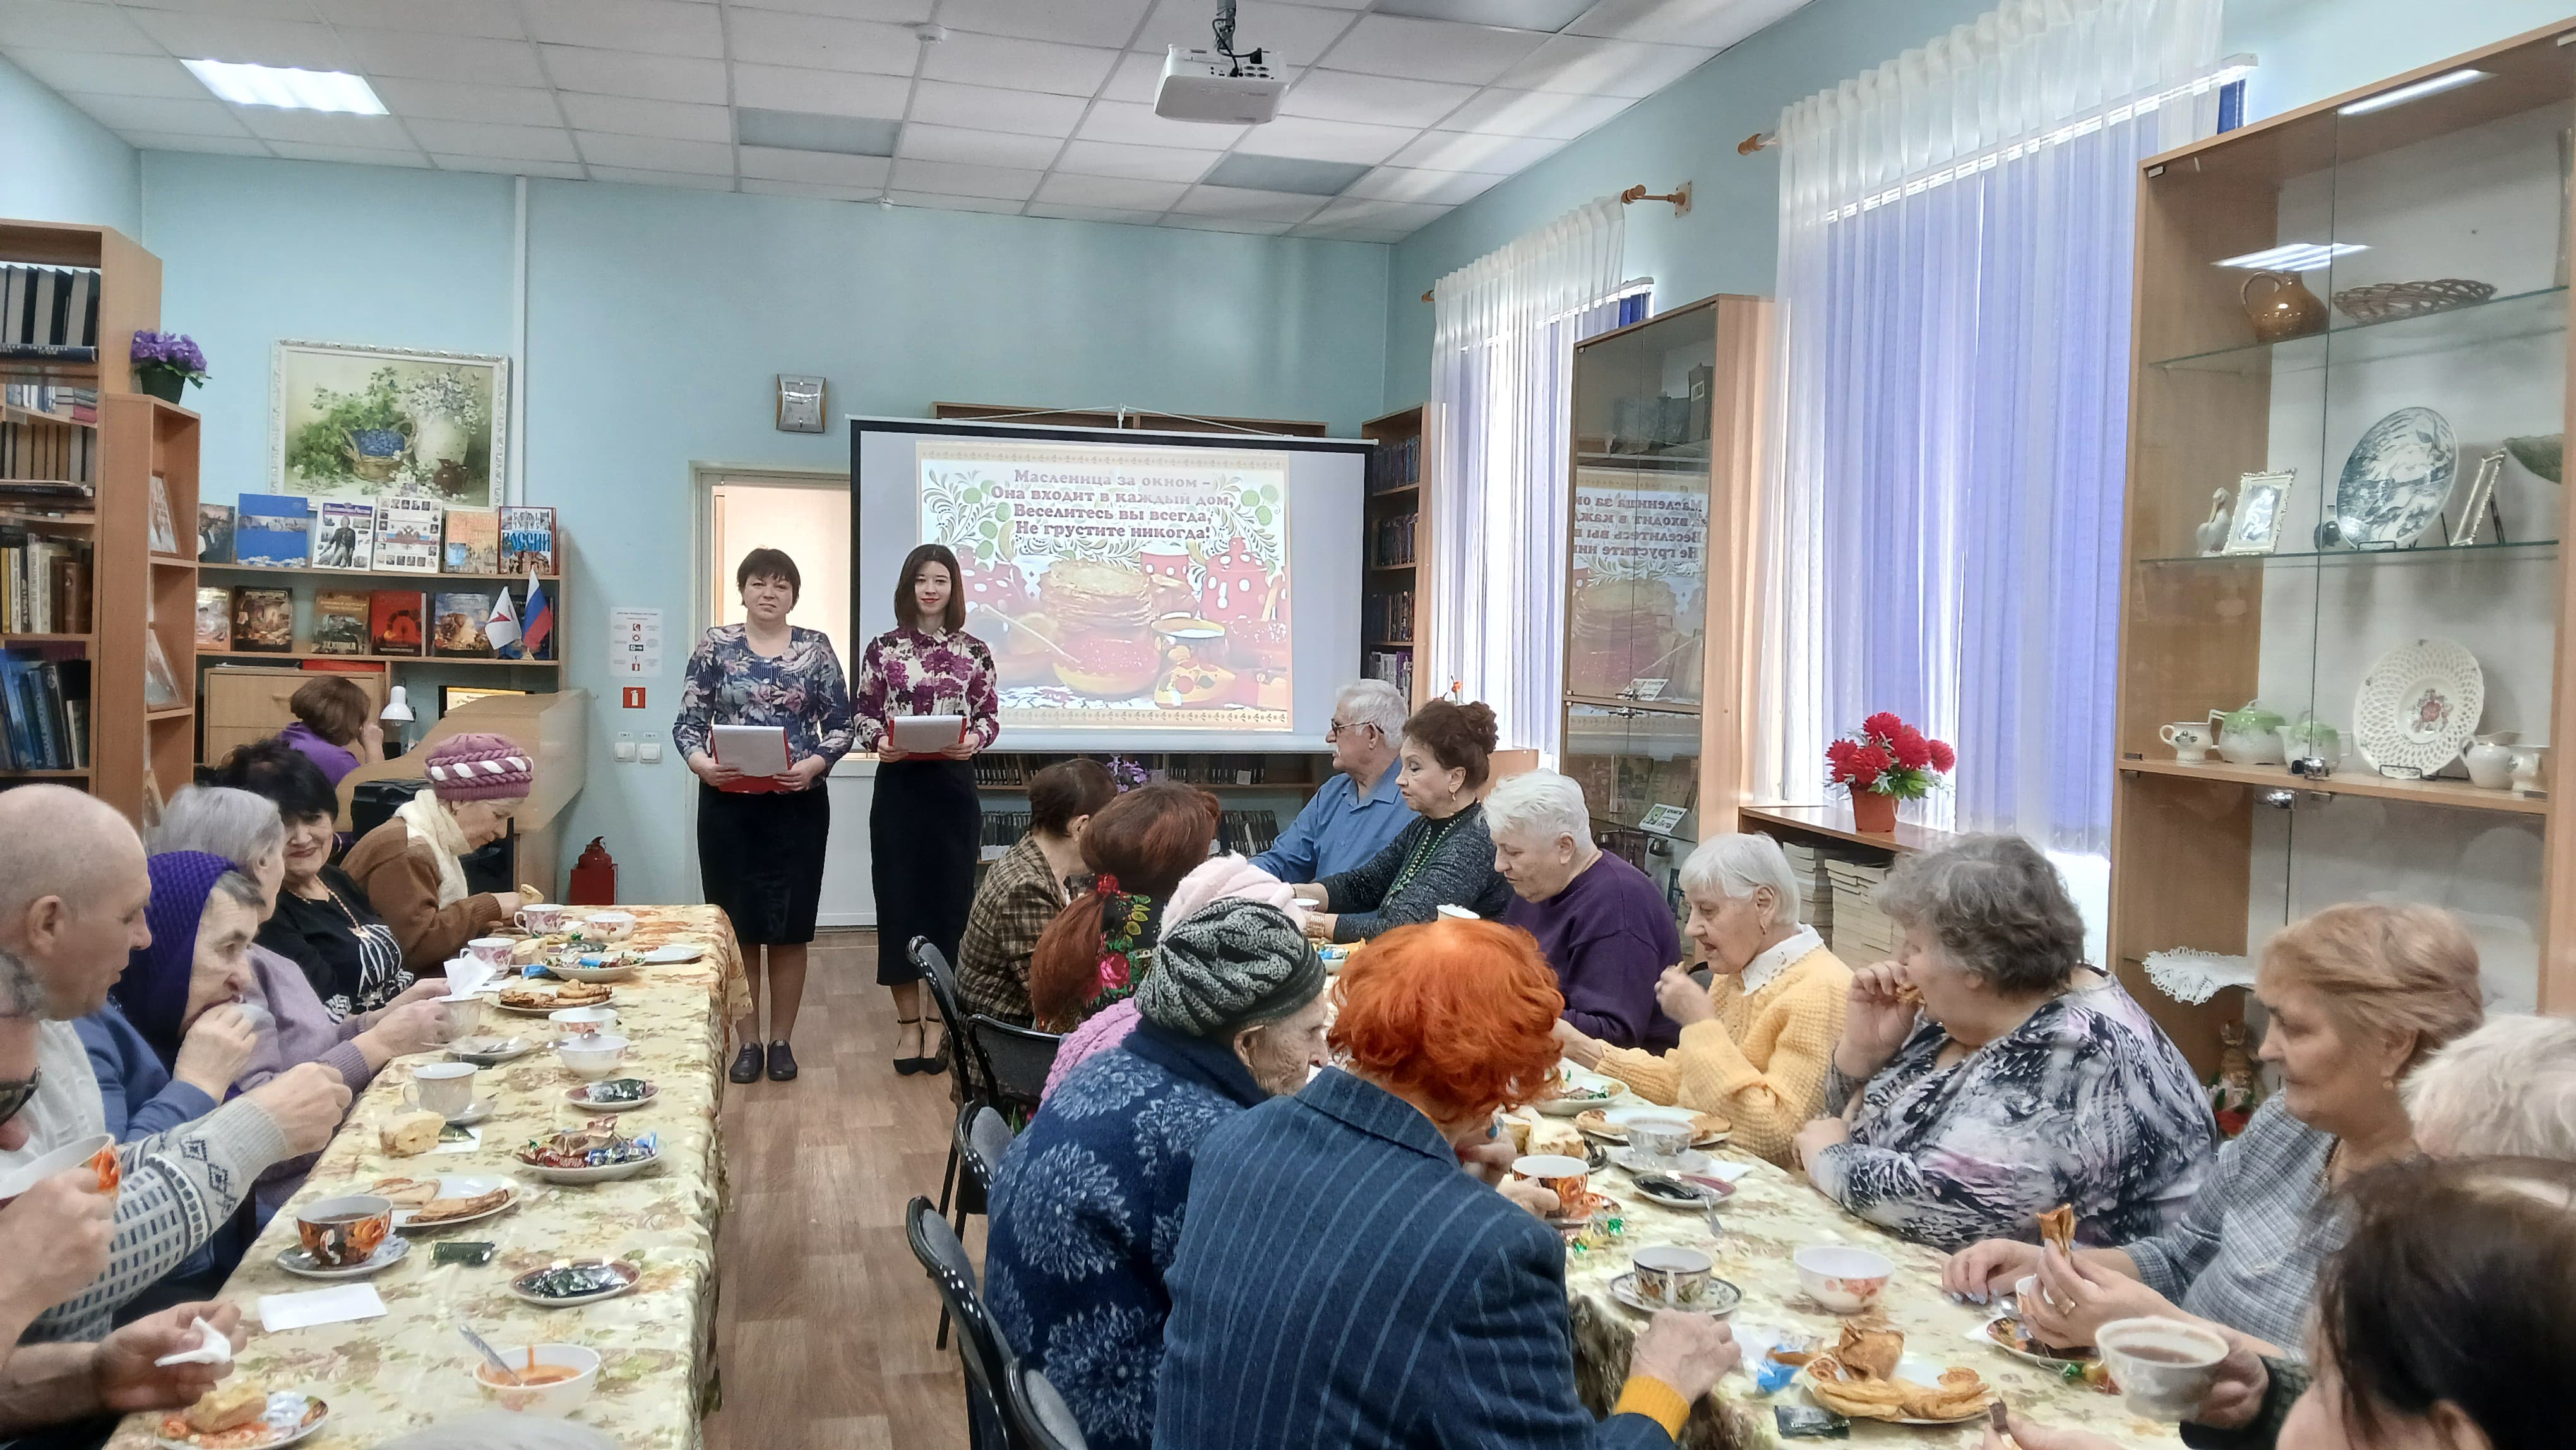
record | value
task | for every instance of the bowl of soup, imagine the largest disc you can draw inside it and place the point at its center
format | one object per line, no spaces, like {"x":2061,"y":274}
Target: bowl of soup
{"x":556,"y":1379}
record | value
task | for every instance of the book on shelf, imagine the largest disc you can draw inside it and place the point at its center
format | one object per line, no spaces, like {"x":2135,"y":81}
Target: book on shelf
{"x":44,"y":712}
{"x":393,"y":621}
{"x":527,"y":541}
{"x":44,"y":583}
{"x":214,"y":533}
{"x":55,"y":402}
{"x":160,"y":683}
{"x":273,"y":531}
{"x":344,"y":534}
{"x":1394,"y":666}
{"x":340,"y":619}
{"x":165,"y":525}
{"x":473,"y":542}
{"x":49,"y":313}
{"x":1392,"y":541}
{"x":263,"y":619}
{"x":458,"y":626}
{"x":48,"y":451}
{"x":407,"y":534}
{"x":214,"y":617}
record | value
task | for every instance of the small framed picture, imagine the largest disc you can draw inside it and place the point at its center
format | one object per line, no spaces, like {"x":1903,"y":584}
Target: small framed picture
{"x":2261,"y":501}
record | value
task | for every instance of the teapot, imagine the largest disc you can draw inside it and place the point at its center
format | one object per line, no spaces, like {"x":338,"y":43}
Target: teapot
{"x":2312,"y":739}
{"x":2250,"y":736}
{"x":2288,"y":310}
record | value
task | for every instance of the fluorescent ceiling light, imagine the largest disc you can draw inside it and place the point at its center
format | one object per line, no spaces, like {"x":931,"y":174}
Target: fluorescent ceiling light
{"x":2403,"y":94}
{"x":288,"y":87}
{"x":1551,"y":16}
{"x":815,"y":131}
{"x":2295,"y":256}
{"x":1284,"y":173}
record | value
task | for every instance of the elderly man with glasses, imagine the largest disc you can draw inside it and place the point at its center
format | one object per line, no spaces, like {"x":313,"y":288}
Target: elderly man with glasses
{"x":1358,"y":811}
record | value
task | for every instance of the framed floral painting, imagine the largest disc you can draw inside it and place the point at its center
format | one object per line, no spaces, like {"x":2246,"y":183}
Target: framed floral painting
{"x":358,"y":422}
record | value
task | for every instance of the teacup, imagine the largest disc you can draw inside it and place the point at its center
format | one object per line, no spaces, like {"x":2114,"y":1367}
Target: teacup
{"x":2190,"y":739}
{"x":494,"y":950}
{"x":580,"y":1021}
{"x":460,"y":1016}
{"x":2164,"y":1367}
{"x":444,"y":1088}
{"x":61,"y":1160}
{"x":542,"y":919}
{"x":1659,"y":1141}
{"x":1844,"y":1279}
{"x":610,"y":925}
{"x":1569,"y":1178}
{"x":1672,"y":1275}
{"x":339,"y":1232}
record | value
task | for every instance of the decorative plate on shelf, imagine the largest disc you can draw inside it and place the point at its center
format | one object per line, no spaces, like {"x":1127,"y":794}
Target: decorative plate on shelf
{"x":2418,"y":706}
{"x":2397,"y":479}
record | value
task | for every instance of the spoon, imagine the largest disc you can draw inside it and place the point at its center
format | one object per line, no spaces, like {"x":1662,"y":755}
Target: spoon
{"x":488,"y":1351}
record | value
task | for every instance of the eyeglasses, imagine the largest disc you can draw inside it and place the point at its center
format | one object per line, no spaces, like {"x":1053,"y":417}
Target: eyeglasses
{"x":15,"y":1094}
{"x":1337,"y":727}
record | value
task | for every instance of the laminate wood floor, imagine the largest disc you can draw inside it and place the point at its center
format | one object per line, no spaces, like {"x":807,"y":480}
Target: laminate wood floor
{"x":824,"y":1325}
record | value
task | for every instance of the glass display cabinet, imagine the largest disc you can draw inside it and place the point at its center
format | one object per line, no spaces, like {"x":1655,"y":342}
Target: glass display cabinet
{"x":1667,"y":435}
{"x":2343,"y":601}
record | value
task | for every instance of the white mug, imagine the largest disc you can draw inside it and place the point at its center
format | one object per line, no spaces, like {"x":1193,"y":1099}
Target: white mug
{"x":492,"y":949}
{"x":2189,"y":738}
{"x":445,"y":1088}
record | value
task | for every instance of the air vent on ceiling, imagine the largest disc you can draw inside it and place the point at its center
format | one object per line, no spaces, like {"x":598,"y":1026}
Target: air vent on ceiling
{"x":1548,"y":15}
{"x":814,"y":131}
{"x":1286,"y":173}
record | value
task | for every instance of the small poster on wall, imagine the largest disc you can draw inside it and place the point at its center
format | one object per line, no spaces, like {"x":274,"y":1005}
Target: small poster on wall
{"x":635,"y":644}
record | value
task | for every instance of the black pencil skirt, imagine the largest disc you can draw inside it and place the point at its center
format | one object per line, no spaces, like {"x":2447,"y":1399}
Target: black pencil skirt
{"x":924,"y":827}
{"x":760,"y":857}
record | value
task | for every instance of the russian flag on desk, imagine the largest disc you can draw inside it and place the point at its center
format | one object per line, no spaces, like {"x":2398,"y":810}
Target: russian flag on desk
{"x":536,"y":621}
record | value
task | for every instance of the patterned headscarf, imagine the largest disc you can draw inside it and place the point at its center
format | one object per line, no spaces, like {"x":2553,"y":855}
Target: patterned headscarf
{"x":1125,"y":919}
{"x":153,"y":992}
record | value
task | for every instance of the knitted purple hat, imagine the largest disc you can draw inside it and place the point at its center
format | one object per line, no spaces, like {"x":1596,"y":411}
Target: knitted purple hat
{"x":480,"y":768}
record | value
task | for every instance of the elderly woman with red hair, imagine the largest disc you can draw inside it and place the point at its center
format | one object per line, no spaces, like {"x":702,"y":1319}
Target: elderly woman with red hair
{"x":1341,"y":1266}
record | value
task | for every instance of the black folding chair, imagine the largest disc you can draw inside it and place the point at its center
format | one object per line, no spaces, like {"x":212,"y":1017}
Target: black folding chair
{"x":964,"y":1084}
{"x":1040,"y":1419}
{"x":1015,"y":1059}
{"x":979,"y":1347}
{"x":980,"y":1139}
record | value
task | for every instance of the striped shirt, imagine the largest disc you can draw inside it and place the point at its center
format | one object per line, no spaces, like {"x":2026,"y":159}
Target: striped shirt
{"x":1341,"y":1281}
{"x":2246,"y":1254}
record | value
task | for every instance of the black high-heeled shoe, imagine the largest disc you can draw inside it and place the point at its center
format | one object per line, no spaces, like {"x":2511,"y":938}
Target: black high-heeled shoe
{"x":907,"y":1066}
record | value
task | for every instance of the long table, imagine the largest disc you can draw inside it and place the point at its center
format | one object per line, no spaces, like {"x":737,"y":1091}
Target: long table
{"x":410,"y":1368}
{"x":1771,"y":1216}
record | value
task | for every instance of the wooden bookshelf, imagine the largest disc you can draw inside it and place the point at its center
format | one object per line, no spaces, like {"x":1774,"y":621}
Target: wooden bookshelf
{"x":306,"y":654}
{"x":1403,"y":452}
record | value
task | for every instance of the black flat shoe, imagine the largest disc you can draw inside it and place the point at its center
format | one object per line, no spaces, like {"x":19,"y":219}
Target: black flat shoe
{"x":746,"y":1065}
{"x":782,"y":1062}
{"x":907,"y":1066}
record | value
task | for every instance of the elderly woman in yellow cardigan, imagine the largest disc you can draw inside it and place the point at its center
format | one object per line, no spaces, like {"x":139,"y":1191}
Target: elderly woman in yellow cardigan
{"x":1757,"y":1041}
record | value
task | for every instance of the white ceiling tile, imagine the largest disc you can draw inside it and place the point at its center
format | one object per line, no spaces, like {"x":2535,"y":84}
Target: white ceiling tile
{"x":1346,"y":234}
{"x":648,"y":176}
{"x":175,"y":141}
{"x":655,"y":153}
{"x":255,"y":9}
{"x":821,"y":42}
{"x":628,"y":116}
{"x":267,"y":42}
{"x":825,"y":92}
{"x":1592,"y":67}
{"x":892,"y":12}
{"x":497,"y":18}
{"x":633,"y":73}
{"x":1431,"y":50}
{"x":326,"y":128}
{"x":665,"y":27}
{"x":950,"y":179}
{"x":1498,"y":112}
{"x":501,"y":143}
{"x":1241,"y":204}
{"x":472,"y":58}
{"x":1031,"y":113}
{"x":1226,"y":224}
{"x":1314,"y":140}
{"x":458,"y":101}
{"x":1074,"y":22}
{"x":508,"y":166}
{"x":1143,"y":163}
{"x":977,"y":148}
{"x":1385,"y":216}
{"x":1714,"y":24}
{"x":109,"y":74}
{"x":1335,"y":95}
{"x":66,"y":25}
{"x":1028,"y":65}
{"x":1110,"y":191}
{"x":936,"y":201}
{"x":817,"y":168}
{"x":1133,"y":125}
{"x":1288,"y":35}
{"x":1444,"y":188}
{"x":1137,"y":79}
{"x":354,"y":155}
{"x":207,"y":117}
{"x":1459,"y":151}
{"x":1062,"y":212}
{"x":816,"y":189}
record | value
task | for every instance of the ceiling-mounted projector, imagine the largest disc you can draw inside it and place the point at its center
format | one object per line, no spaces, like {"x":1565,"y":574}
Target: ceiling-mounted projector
{"x":1221,"y":85}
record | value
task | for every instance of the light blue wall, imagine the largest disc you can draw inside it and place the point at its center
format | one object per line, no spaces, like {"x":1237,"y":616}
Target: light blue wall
{"x":58,"y":164}
{"x":657,"y":319}
{"x":2308,"y":49}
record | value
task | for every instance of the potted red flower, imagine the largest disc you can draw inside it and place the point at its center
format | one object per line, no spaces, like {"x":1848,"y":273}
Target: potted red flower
{"x":1883,"y":762}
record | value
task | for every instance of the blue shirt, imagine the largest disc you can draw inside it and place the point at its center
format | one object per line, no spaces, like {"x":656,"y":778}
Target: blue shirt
{"x":136,"y":1094}
{"x":1337,"y":831}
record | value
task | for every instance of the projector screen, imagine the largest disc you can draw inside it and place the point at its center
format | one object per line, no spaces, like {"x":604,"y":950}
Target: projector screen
{"x":1150,"y":591}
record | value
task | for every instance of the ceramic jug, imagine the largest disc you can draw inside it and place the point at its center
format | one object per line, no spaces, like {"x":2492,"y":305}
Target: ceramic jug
{"x":2250,"y":736}
{"x":2490,"y":760}
{"x":2287,"y":310}
{"x":2311,"y":739}
{"x":2529,"y":761}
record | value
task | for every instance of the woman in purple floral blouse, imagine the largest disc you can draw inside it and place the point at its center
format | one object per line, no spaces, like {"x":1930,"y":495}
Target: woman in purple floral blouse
{"x":925,"y":822}
{"x":760,"y":842}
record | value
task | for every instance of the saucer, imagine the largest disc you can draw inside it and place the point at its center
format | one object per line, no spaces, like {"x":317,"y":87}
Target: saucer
{"x":490,"y":1051}
{"x":1720,"y":1302}
{"x":392,"y":1251}
{"x":674,"y":954}
{"x":1691,"y":1161}
{"x":475,"y":1112}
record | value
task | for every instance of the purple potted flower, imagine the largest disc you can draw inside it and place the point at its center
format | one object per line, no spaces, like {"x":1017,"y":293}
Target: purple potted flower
{"x":166,"y":362}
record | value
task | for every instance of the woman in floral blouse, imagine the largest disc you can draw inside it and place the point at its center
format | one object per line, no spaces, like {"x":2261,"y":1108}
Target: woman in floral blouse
{"x":760,"y":841}
{"x":925,"y":823}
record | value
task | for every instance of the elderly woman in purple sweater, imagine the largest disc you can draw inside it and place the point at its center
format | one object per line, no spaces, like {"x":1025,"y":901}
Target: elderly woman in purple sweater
{"x":1599,"y":922}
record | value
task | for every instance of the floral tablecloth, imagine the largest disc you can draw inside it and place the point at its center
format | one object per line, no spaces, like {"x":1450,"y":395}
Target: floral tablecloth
{"x":1771,"y":1216}
{"x":410,"y":1368}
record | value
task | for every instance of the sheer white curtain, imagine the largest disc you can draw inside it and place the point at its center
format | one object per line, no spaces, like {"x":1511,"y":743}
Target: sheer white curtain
{"x":1955,"y":256}
{"x":1501,"y":387}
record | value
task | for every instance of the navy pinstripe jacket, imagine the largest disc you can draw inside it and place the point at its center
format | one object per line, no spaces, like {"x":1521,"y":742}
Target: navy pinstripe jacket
{"x":1342,"y":1282}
